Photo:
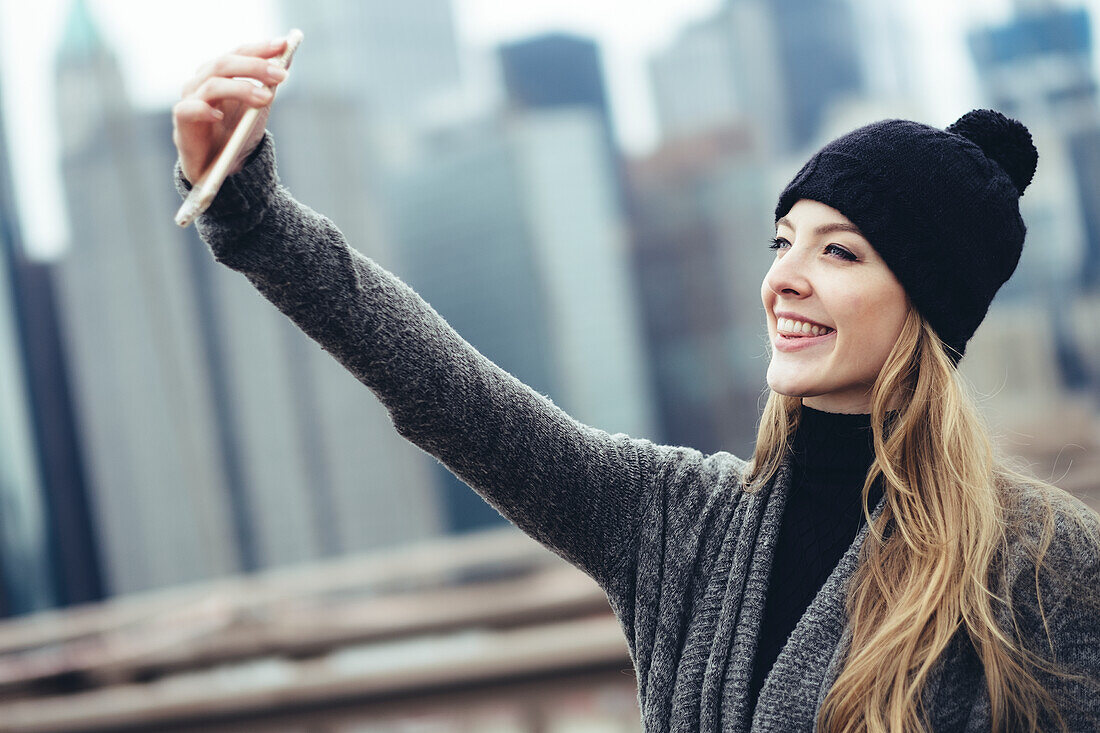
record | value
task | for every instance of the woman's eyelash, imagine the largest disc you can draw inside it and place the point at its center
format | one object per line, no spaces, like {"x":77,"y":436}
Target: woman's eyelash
{"x":840,"y":251}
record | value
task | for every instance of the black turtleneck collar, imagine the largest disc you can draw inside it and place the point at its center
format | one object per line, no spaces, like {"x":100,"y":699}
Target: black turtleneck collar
{"x":834,"y":442}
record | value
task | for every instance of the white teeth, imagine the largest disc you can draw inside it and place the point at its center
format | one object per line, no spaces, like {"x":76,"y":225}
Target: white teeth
{"x":786,"y":325}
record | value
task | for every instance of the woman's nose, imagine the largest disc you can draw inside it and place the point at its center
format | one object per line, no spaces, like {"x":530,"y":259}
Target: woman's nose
{"x":787,"y":275}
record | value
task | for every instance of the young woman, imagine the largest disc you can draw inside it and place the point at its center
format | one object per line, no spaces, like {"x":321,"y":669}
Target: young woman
{"x":874,"y":567}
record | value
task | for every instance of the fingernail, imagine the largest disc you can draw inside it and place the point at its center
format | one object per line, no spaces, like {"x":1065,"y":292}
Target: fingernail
{"x":218,"y":114}
{"x":261,"y":94}
{"x":276,"y":72}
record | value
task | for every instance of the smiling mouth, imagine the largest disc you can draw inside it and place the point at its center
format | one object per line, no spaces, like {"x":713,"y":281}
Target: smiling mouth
{"x":798,"y":328}
{"x":803,"y":335}
{"x":791,"y":342}
{"x":794,"y":336}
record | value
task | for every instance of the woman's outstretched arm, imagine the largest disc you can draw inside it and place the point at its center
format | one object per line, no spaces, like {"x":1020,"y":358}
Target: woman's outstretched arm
{"x":574,"y":488}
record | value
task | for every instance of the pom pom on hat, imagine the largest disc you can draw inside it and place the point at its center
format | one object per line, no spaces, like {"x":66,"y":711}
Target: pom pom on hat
{"x":1003,"y":140}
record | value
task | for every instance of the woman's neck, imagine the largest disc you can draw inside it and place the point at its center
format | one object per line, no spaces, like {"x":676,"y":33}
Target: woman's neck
{"x":846,"y":404}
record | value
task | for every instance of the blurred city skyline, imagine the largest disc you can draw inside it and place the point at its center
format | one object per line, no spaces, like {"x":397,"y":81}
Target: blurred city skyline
{"x":172,"y":443}
{"x":158,"y":47}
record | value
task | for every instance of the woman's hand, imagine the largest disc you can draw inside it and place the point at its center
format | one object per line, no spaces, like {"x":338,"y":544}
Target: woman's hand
{"x":213,"y":101}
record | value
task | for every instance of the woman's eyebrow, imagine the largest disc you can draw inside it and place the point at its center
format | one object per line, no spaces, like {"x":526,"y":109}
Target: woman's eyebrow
{"x":825,"y":228}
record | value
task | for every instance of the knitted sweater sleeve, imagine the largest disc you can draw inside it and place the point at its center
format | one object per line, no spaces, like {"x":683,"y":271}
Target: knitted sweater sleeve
{"x":1074,"y":622}
{"x":1056,"y":610}
{"x":576,"y":489}
{"x":1076,"y":635}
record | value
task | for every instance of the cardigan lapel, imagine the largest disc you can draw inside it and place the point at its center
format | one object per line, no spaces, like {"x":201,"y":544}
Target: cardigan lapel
{"x":743,"y":607}
{"x":813,"y":656}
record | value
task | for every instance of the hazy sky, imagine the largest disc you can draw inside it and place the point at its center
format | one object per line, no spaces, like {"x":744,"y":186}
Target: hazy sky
{"x":161,"y":42}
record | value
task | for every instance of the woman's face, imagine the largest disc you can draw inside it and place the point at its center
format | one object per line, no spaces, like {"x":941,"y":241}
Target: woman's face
{"x":827,"y":274}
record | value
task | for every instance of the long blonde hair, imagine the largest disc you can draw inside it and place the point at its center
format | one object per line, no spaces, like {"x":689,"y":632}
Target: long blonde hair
{"x":924,"y":569}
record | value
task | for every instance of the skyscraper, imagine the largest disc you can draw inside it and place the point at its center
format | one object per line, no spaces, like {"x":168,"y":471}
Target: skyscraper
{"x":392,"y":58}
{"x":61,"y":563}
{"x":218,"y":437}
{"x":555,"y":70}
{"x":777,"y":64}
{"x":700,"y":226}
{"x":358,"y":95}
{"x":719,"y":70}
{"x":27,"y":579}
{"x":511,"y":230}
{"x":816,"y":49}
{"x":1038,"y":66}
{"x":562,"y":71}
{"x":128,"y":319}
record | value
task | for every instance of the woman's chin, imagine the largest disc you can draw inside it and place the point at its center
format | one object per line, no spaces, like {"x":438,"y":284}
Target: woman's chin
{"x":791,"y":389}
{"x":792,"y":383}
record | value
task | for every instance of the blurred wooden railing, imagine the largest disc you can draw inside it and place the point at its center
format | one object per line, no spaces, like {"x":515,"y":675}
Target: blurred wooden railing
{"x":480,"y":608}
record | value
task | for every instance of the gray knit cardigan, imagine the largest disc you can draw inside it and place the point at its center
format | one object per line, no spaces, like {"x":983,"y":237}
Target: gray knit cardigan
{"x":682,"y":552}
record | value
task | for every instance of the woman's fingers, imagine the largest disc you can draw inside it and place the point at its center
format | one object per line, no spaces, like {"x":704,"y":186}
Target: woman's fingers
{"x":218,"y":89}
{"x":195,"y":110}
{"x":233,"y":65}
{"x":197,"y":134}
{"x":264,"y":49}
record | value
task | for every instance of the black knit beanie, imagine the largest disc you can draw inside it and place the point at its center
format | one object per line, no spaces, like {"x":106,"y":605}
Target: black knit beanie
{"x":941,"y":207}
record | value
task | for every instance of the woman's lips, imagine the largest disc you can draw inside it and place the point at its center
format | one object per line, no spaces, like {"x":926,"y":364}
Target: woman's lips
{"x":797,"y":343}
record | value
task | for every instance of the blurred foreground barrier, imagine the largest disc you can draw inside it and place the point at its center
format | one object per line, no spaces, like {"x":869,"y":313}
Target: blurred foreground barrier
{"x":455,"y":616}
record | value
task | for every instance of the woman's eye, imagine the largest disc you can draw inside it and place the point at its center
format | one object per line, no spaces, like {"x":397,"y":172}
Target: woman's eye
{"x":841,"y":252}
{"x":778,"y":243}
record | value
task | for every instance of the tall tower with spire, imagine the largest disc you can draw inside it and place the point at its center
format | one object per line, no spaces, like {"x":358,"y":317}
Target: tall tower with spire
{"x":90,"y":90}
{"x":128,"y":317}
{"x":218,"y":437}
